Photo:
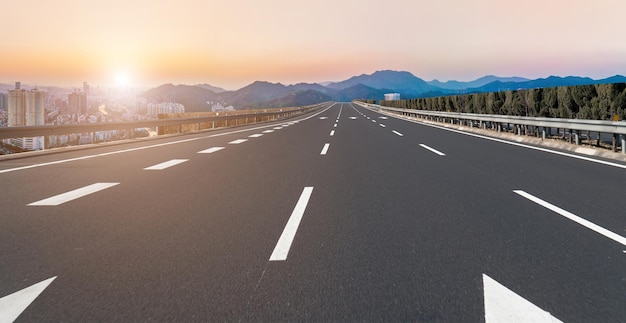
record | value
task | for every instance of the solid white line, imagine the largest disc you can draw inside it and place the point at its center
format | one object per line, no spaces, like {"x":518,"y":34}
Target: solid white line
{"x":210,"y":150}
{"x":12,"y":306}
{"x":589,"y":225}
{"x":166,"y":164}
{"x":289,"y":233}
{"x":397,"y":133}
{"x":325,"y":149}
{"x":332,"y":132}
{"x":115,"y":152}
{"x":238,"y":141}
{"x":382,"y":125}
{"x":72,"y":195}
{"x":256,"y":135}
{"x":268,"y":131}
{"x":433,"y":150}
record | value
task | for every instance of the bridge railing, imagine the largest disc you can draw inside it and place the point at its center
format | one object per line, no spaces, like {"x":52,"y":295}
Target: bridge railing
{"x":198,"y":123}
{"x":569,"y":129}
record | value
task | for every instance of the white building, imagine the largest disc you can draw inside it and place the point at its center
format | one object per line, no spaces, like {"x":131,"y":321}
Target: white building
{"x":392,"y":96}
{"x":220,"y":108}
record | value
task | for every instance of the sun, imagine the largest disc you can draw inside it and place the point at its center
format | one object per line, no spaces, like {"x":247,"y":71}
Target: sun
{"x":122,"y":79}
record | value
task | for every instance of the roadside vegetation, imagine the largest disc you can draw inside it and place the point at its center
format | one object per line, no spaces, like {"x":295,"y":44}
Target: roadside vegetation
{"x":597,"y":102}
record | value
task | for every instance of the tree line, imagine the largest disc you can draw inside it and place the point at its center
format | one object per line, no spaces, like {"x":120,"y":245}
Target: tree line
{"x":597,"y":102}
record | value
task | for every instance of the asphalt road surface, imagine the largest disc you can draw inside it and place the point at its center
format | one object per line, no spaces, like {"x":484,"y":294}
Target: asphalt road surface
{"x":343,"y":215}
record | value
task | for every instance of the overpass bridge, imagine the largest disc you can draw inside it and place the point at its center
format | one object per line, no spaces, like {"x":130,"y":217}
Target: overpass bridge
{"x":339,"y":214}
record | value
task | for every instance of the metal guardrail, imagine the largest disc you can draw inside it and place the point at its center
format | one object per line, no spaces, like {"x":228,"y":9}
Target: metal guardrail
{"x":575,"y":126}
{"x":51,"y":130}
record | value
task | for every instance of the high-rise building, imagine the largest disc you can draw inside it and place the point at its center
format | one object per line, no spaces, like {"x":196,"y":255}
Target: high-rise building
{"x":86,"y":88}
{"x":77,"y":103}
{"x":4,"y":101}
{"x":27,"y":108}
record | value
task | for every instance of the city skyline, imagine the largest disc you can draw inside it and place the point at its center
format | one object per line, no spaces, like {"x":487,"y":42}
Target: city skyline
{"x":140,"y":43}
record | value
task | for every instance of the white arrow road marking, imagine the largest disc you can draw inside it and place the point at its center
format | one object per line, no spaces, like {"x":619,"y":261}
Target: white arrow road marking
{"x":503,"y":305}
{"x":325,"y":149}
{"x":166,"y":164}
{"x":589,"y":225}
{"x":210,"y":150}
{"x":238,"y":141}
{"x":433,"y":150}
{"x":11,"y":306}
{"x":72,"y":195}
{"x":289,"y":233}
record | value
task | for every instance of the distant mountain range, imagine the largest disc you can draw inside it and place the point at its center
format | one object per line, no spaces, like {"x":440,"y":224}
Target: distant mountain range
{"x":264,"y":94}
{"x":261,"y":94}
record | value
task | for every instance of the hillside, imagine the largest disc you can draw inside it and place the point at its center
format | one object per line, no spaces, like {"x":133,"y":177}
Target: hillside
{"x":405,"y":83}
{"x":192,"y":97}
{"x":262,"y":94}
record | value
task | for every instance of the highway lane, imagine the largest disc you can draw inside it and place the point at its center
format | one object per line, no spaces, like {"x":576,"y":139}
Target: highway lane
{"x":392,"y":231}
{"x":128,"y":238}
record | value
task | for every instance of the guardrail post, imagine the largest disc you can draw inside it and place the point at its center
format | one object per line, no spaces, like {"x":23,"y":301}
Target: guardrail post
{"x":623,"y":144}
{"x":576,"y":138}
{"x":614,"y":148}
{"x":543,"y":134}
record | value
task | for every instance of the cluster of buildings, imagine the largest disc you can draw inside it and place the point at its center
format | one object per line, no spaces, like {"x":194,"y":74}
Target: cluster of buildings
{"x":25,"y":106}
{"x":154,"y":109}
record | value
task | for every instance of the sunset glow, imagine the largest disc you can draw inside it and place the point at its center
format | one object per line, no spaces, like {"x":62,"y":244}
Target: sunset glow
{"x":231,"y":44}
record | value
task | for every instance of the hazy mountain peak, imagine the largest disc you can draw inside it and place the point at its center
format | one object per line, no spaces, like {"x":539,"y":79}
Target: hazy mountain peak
{"x":211,"y":87}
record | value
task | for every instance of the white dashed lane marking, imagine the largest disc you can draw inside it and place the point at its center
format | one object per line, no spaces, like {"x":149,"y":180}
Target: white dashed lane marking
{"x":166,"y":164}
{"x":238,"y":141}
{"x":325,"y":149}
{"x":433,"y":150}
{"x":289,"y":233}
{"x":210,"y":150}
{"x":397,"y":133}
{"x":587,"y":224}
{"x":72,"y":195}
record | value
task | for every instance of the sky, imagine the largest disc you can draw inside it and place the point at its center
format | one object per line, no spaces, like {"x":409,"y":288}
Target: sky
{"x":236,"y":42}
